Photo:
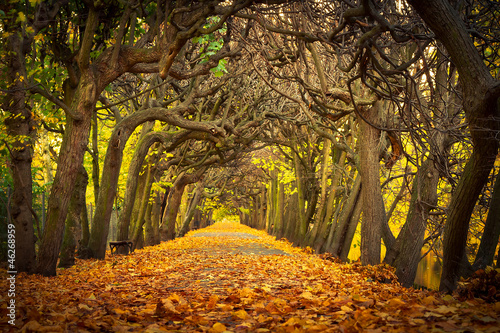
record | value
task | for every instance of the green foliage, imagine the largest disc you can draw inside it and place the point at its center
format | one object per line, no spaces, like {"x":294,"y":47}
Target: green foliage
{"x":210,"y":45}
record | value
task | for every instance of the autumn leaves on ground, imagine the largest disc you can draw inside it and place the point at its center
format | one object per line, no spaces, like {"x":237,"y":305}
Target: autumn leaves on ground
{"x":237,"y":280}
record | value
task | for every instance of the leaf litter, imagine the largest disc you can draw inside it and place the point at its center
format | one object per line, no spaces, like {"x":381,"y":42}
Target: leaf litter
{"x":214,"y":280}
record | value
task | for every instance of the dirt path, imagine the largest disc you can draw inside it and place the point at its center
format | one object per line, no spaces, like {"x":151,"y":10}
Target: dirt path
{"x":230,"y":278}
{"x":247,"y":249}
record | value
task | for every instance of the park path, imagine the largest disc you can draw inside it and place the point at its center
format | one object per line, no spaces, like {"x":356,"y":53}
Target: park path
{"x":231,"y":278}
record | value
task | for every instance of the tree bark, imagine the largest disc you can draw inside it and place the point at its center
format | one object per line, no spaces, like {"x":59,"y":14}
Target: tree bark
{"x":72,"y":231}
{"x":137,"y":232}
{"x":302,"y":223}
{"x":71,"y":153}
{"x":319,"y":224}
{"x":491,"y":232}
{"x":329,"y":226}
{"x":373,"y":204}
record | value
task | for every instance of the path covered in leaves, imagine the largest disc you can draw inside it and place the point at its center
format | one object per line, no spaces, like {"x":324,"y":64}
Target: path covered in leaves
{"x":229,"y":277}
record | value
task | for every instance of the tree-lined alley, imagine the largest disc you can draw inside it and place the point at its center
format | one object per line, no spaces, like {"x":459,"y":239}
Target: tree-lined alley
{"x":360,"y":129}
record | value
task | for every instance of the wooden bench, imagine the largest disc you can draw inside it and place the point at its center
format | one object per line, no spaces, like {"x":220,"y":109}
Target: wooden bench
{"x":116,"y":244}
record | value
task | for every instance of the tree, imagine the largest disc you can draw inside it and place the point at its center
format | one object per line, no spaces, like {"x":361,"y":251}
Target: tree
{"x":481,"y":93}
{"x":19,"y":33}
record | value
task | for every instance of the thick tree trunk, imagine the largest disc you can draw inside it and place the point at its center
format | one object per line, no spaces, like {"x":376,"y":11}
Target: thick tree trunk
{"x":148,"y":226}
{"x":152,"y":231}
{"x":167,"y":229}
{"x":405,"y":254}
{"x":19,"y":126}
{"x":373,"y":204}
{"x":481,"y":95}
{"x":72,"y":231}
{"x":461,"y":206}
{"x":73,"y":148}
{"x":491,"y":232}
{"x":280,"y":211}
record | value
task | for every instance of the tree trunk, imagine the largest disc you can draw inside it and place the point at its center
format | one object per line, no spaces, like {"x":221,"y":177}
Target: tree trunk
{"x":291,"y":217}
{"x":19,"y":126}
{"x":302,"y":223}
{"x":152,"y":232}
{"x":373,"y":204}
{"x":193,"y":208}
{"x":491,"y":232}
{"x":73,"y":148}
{"x":167,"y":229}
{"x":320,"y":222}
{"x":405,"y":254}
{"x":345,"y":219}
{"x":137,"y":232}
{"x":133,"y":176}
{"x":329,"y":225}
{"x":72,"y":231}
{"x":95,"y":157}
{"x":481,"y":93}
{"x":280,"y":211}
{"x":351,"y":229}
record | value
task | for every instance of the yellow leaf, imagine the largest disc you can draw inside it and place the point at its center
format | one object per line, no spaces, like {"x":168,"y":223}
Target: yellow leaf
{"x":396,"y":302}
{"x":212,"y":301}
{"x":217,"y":328}
{"x":246,"y":292}
{"x":306,"y":295}
{"x":21,"y":17}
{"x":241,"y":314}
{"x":120,"y":311}
{"x":445,"y":309}
{"x":292,"y":321}
{"x":346,"y":309}
{"x":84,"y":306}
{"x":429,"y":300}
{"x":169,"y":306}
{"x":448,"y":298}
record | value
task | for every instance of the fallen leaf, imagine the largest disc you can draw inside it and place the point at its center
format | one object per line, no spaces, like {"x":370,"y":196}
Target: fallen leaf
{"x":217,"y":328}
